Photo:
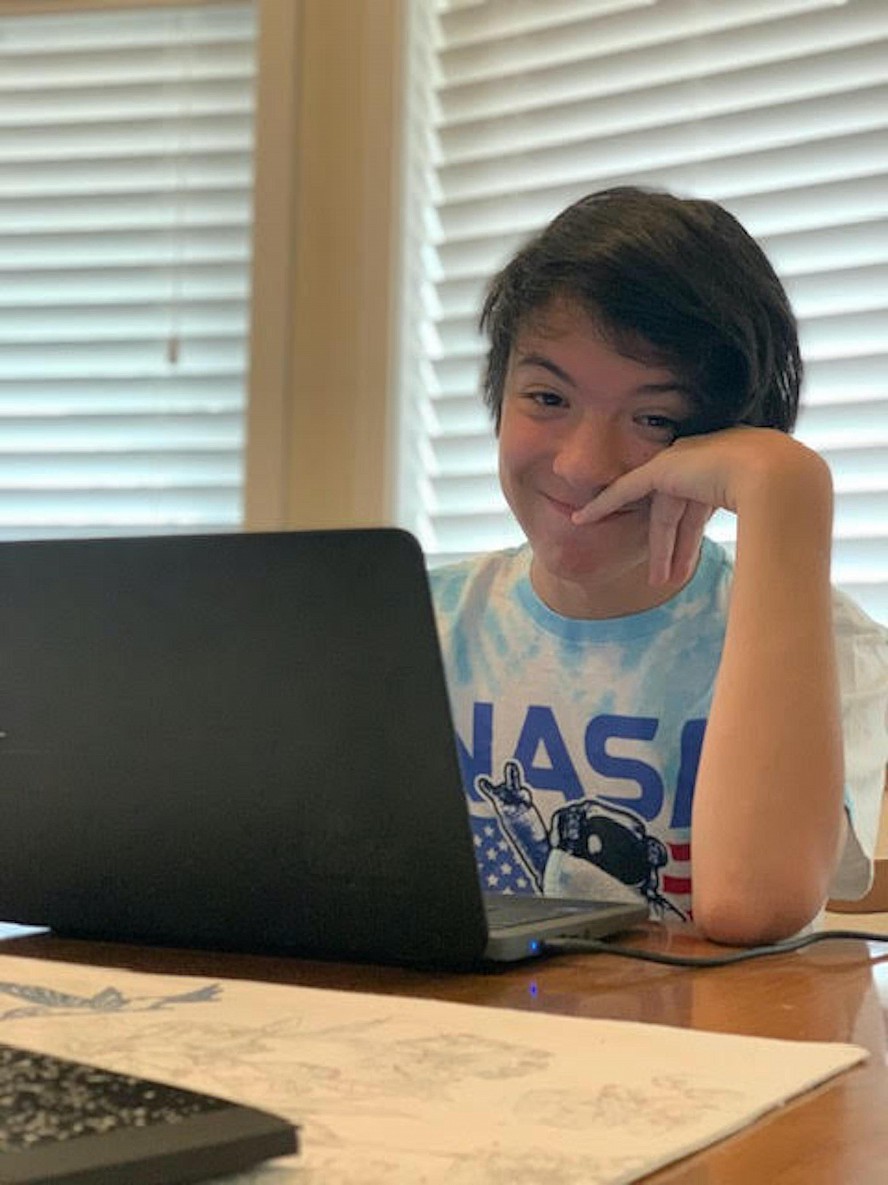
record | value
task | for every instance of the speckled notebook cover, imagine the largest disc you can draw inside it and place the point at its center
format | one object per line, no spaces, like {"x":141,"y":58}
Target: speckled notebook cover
{"x":68,"y":1123}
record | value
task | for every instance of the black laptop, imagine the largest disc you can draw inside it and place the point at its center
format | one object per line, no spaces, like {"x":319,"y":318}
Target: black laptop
{"x":243,"y":742}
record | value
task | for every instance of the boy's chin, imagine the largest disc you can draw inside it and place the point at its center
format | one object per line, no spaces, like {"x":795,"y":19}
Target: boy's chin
{"x":573,"y":586}
{"x":578,"y":565}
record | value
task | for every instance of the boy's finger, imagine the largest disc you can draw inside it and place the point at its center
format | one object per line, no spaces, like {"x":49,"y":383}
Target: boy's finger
{"x":688,"y":539}
{"x":632,"y":487}
{"x":666,"y":517}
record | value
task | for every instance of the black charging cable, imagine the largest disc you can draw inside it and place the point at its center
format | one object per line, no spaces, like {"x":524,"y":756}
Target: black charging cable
{"x":601,"y":946}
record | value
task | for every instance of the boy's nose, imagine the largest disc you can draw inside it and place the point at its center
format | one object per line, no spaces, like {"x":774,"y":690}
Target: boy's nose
{"x":589,"y":456}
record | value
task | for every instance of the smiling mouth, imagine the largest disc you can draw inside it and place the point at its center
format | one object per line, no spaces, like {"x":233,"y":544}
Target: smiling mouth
{"x":565,"y":508}
{"x":568,"y":508}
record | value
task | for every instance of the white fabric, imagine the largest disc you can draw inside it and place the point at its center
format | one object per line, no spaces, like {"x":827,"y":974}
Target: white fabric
{"x":579,"y":740}
{"x":862,"y":651}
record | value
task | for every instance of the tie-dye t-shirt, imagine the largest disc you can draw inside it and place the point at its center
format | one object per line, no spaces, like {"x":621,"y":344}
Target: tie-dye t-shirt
{"x":579,"y":740}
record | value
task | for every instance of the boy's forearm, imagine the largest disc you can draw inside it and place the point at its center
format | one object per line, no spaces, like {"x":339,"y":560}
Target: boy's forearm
{"x":768,"y":804}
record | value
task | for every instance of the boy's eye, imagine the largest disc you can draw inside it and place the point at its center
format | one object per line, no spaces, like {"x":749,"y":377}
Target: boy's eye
{"x":662,"y":425}
{"x":547,"y":398}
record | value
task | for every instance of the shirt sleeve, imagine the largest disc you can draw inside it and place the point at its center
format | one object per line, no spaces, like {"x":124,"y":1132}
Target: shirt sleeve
{"x":862,"y":653}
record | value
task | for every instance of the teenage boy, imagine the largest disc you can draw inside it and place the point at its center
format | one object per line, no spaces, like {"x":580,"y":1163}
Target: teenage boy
{"x":636,"y":714}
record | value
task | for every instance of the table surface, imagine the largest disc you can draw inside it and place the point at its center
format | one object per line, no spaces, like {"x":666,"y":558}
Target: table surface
{"x":832,"y":991}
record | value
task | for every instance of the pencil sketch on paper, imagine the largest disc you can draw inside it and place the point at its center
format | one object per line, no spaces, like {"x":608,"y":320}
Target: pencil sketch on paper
{"x":41,"y":1001}
{"x":665,"y":1103}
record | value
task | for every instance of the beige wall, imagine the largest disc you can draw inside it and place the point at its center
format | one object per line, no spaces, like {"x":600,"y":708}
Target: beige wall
{"x":325,"y":276}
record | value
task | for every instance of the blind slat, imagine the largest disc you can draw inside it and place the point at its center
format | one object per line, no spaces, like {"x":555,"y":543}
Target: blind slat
{"x":123,"y":360}
{"x":104,"y":324}
{"x":115,"y":248}
{"x":204,"y":394}
{"x":76,"y":36}
{"x":186,"y":470}
{"x":83,"y":287}
{"x":121,"y":174}
{"x":124,"y":433}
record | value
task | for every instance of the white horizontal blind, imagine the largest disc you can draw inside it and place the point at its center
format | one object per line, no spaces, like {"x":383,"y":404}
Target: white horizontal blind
{"x":776,"y":108}
{"x":125,"y":212}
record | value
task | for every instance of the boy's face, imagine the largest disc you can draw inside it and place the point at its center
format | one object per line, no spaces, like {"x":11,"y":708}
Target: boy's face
{"x":576,"y":415}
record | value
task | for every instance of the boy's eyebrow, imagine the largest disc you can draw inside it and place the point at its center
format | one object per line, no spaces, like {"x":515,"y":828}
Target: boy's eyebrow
{"x":665,"y":388}
{"x":546,"y":364}
{"x":645,"y":389}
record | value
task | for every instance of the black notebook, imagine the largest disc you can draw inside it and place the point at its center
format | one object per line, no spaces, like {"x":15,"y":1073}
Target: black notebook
{"x":68,"y":1123}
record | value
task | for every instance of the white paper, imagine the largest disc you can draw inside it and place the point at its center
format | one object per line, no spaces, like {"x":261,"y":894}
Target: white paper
{"x":391,"y":1090}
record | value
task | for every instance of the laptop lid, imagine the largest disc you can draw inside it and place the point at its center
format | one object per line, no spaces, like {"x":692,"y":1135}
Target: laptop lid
{"x":234,"y":741}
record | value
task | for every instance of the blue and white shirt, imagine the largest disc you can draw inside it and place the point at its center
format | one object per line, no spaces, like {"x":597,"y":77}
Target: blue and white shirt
{"x":579,"y":740}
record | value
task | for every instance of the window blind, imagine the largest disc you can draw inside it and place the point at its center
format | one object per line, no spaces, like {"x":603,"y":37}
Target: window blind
{"x":778,"y":109}
{"x":125,"y":213}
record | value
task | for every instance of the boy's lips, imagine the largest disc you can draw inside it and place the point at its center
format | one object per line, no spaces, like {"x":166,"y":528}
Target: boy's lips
{"x":568,"y":509}
{"x":565,"y":508}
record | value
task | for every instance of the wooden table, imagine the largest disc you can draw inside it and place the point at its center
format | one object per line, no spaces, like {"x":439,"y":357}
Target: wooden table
{"x":834,"y":991}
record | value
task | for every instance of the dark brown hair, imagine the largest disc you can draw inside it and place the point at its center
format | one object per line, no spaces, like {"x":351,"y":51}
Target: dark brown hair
{"x":672,"y":281}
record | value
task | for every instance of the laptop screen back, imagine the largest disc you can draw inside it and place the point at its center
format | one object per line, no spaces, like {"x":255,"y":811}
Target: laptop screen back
{"x":235,"y":741}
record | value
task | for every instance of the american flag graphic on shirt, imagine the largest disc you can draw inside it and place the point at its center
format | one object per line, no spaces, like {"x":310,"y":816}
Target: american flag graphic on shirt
{"x":501,"y":869}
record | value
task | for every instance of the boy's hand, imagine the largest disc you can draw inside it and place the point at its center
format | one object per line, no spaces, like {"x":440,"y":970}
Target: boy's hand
{"x":737,"y":469}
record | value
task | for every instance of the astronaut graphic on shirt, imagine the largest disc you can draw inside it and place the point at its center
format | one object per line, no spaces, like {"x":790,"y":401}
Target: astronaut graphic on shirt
{"x":590,"y":848}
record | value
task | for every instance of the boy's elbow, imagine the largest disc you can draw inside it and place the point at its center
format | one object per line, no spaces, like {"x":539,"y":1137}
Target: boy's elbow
{"x":764,"y":904}
{"x":749,"y":922}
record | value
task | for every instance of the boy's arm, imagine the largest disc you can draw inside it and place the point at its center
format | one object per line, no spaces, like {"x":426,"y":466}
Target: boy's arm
{"x":767,"y":818}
